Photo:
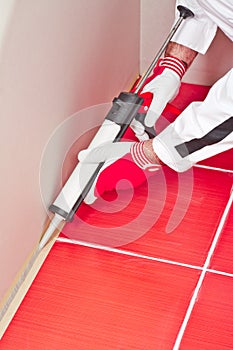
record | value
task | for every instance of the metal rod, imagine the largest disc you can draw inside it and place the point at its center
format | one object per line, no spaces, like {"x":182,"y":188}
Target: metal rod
{"x":160,"y":52}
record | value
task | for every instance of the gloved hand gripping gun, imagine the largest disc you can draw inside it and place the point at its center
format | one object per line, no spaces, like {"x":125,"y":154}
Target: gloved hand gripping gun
{"x":124,"y":109}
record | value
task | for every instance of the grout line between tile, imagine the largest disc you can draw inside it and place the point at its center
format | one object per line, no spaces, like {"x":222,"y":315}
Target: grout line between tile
{"x":213,"y":168}
{"x":203,"y":273}
{"x":140,"y":256}
{"x":125,"y":252}
{"x":222,"y":273}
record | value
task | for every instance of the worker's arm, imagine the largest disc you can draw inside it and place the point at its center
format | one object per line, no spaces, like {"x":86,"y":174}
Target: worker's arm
{"x":181,"y":52}
{"x":164,"y":84}
{"x":193,"y":37}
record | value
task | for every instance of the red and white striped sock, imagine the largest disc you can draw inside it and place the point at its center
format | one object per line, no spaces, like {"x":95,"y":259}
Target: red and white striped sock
{"x":140,"y":158}
{"x":173,"y":63}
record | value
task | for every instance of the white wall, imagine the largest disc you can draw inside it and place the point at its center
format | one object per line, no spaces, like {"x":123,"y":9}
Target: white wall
{"x":156,"y":20}
{"x":56,"y":57}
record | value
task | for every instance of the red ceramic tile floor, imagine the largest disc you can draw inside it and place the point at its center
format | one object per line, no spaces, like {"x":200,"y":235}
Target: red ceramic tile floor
{"x":88,"y":299}
{"x":142,"y":226}
{"x":190,"y":240}
{"x":223,"y":256}
{"x":211,"y":326}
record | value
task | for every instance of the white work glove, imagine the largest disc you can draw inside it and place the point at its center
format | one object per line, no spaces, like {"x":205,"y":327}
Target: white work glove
{"x":164,"y":87}
{"x":122,"y":161}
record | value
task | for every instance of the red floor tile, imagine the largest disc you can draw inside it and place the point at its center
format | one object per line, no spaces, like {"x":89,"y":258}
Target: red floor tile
{"x":211,"y":326}
{"x":142,"y":225}
{"x":223,"y":255}
{"x":189,"y":93}
{"x":89,"y":299}
{"x":223,"y":160}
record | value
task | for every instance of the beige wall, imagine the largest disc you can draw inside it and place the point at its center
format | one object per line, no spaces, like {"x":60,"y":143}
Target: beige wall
{"x":156,"y":21}
{"x":56,"y":57}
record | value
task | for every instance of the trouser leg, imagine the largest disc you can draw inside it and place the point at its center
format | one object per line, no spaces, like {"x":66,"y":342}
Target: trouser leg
{"x":202,"y":130}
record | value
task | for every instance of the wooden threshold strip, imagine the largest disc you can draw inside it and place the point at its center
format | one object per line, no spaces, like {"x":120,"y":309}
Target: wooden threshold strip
{"x":21,"y":284}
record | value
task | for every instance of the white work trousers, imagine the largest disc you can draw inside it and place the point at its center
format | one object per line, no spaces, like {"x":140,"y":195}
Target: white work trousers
{"x":202,"y":130}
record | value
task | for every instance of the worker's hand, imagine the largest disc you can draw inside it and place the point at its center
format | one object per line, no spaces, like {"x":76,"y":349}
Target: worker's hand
{"x":164,"y":86}
{"x":122,"y":160}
